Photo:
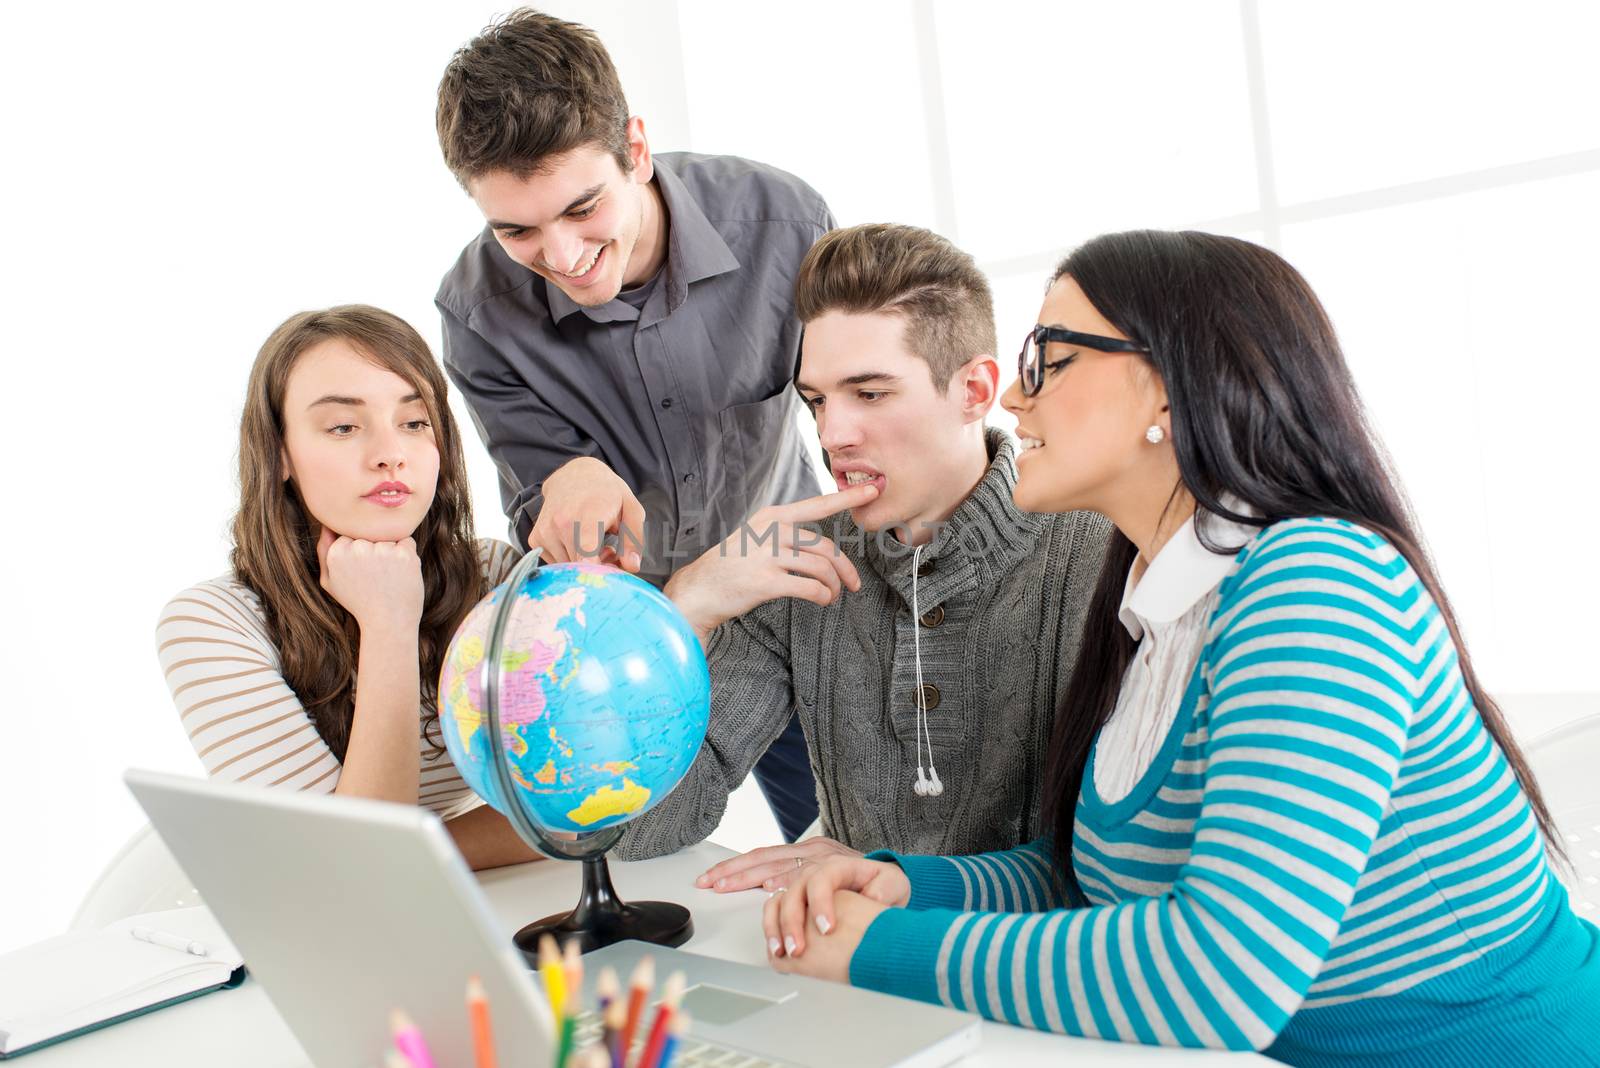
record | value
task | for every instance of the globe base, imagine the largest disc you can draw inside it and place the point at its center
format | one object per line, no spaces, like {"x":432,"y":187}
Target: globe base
{"x":601,"y":918}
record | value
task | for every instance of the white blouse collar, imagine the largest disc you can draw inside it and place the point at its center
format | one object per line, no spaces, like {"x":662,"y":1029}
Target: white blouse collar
{"x":1183,"y":572}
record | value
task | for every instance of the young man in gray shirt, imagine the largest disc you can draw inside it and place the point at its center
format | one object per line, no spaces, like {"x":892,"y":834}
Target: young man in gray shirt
{"x":623,"y":328}
{"x":929,"y":686}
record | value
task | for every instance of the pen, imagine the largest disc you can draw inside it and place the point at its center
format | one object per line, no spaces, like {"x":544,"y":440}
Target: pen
{"x":171,"y":941}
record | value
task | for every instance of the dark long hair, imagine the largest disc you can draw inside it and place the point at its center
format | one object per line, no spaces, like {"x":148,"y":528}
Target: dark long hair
{"x":1264,"y":410}
{"x":275,"y":540}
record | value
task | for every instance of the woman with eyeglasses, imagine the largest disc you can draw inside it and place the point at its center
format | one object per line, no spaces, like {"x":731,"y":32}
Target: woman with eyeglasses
{"x":1287,"y":816}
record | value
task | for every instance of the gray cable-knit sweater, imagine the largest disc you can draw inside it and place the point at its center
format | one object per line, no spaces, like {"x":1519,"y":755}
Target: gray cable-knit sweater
{"x":1003,"y":595}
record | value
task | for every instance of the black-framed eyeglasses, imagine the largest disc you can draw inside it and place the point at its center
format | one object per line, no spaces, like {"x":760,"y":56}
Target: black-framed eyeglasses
{"x":1032,"y":366}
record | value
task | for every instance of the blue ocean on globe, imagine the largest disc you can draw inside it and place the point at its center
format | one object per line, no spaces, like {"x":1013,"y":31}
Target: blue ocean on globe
{"x":604,"y":696}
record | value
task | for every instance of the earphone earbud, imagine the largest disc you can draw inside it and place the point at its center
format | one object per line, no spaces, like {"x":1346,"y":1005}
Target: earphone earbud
{"x":927,"y":784}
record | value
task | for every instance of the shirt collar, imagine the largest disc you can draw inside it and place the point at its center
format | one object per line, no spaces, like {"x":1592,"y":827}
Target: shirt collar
{"x":1183,"y":572}
{"x":695,"y":251}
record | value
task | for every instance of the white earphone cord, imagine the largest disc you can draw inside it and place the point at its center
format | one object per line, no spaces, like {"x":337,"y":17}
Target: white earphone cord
{"x":927,"y":784}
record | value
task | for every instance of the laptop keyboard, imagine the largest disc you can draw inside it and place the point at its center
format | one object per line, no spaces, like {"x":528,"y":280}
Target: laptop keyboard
{"x":1581,"y":828}
{"x":691,"y":1052}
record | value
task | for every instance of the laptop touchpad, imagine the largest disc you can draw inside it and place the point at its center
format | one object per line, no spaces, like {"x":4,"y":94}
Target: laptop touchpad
{"x":721,"y":1006}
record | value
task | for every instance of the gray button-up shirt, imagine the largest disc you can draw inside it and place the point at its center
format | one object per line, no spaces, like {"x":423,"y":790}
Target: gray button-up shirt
{"x":689,"y":399}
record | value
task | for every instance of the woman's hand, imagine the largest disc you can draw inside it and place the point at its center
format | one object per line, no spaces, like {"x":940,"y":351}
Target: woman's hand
{"x":826,"y":956}
{"x":826,"y":911}
{"x":770,"y":867}
{"x":378,"y":582}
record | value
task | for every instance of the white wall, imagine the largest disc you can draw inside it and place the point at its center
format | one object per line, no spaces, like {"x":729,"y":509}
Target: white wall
{"x":182,"y":177}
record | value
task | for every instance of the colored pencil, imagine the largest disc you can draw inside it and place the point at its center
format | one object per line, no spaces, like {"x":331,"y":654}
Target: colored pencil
{"x":675,"y":1032}
{"x":644,"y":977}
{"x":606,"y":988}
{"x":569,"y":1024}
{"x":614,"y":1017}
{"x":651,"y":1057}
{"x":408,"y":1040}
{"x":555,"y":979}
{"x":572,"y":966}
{"x":482,"y":1033}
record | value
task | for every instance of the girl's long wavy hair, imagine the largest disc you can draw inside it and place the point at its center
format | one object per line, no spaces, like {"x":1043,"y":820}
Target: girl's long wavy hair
{"x":1264,"y":410}
{"x":275,"y":539}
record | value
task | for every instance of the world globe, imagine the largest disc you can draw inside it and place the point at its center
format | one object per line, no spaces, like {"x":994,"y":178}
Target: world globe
{"x":603,"y":697}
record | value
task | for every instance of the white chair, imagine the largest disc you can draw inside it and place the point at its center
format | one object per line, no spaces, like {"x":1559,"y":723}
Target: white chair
{"x":1566,"y":762}
{"x":141,"y":877}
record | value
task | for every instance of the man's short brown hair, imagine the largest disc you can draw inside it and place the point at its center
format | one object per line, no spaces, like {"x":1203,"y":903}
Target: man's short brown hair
{"x":909,"y":271}
{"x":527,"y":89}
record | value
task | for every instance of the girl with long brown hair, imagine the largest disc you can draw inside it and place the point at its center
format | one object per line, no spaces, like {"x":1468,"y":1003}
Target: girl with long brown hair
{"x":314,"y":664}
{"x":1286,"y":814}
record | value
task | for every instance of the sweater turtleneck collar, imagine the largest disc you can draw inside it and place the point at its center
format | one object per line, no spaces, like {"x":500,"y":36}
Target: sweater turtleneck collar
{"x":984,"y":537}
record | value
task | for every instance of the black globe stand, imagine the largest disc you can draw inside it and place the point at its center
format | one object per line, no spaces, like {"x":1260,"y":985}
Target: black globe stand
{"x":601,"y":917}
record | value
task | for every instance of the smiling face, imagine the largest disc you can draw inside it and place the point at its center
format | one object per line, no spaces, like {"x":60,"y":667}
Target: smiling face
{"x":881,"y":419}
{"x":1083,"y":435}
{"x":583,"y":222}
{"x":358,"y":444}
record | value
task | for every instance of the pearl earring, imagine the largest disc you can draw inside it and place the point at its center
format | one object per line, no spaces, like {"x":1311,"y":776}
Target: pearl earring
{"x":1155,"y":435}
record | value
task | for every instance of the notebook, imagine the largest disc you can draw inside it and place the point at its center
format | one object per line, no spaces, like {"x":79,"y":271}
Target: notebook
{"x":61,"y":987}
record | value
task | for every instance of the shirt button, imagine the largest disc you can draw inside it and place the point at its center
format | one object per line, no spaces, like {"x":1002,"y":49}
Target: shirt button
{"x":933,"y":616}
{"x":688,"y":532}
{"x":666,"y":402}
{"x":691,"y":478}
{"x":930,"y":696}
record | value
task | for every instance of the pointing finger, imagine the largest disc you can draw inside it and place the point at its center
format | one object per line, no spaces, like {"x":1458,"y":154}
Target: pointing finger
{"x":630,"y":533}
{"x":815,"y":508}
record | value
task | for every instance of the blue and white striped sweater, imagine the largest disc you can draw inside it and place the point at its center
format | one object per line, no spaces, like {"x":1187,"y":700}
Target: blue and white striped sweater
{"x":1330,"y":859}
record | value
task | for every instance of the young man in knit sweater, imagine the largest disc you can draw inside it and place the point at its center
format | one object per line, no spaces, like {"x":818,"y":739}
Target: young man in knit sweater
{"x":934,"y":586}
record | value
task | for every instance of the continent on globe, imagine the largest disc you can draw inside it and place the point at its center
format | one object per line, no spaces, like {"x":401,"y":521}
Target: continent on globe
{"x":608,"y":801}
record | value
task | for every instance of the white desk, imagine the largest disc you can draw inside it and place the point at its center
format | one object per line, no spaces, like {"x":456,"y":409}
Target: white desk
{"x":240,"y":1029}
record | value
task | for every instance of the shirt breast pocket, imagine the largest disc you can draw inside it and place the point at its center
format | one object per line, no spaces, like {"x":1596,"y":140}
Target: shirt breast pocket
{"x":752,"y":436}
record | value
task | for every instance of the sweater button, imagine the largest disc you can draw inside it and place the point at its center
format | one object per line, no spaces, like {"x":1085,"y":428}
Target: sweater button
{"x":926,"y":568}
{"x":933,"y":616}
{"x":929,"y":694}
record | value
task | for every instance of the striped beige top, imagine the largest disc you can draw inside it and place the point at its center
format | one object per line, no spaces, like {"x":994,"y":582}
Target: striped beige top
{"x":244,"y":721}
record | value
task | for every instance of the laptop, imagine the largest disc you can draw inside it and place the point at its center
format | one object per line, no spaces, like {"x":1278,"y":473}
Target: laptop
{"x":346,"y":909}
